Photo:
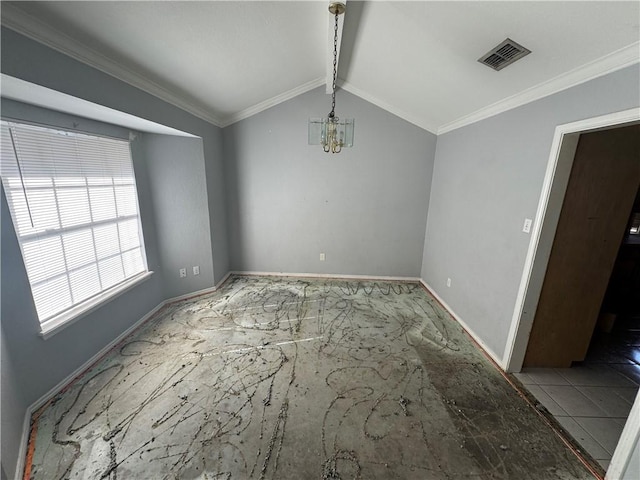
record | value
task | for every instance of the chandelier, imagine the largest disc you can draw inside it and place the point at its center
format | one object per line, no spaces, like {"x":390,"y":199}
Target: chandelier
{"x":331,"y":132}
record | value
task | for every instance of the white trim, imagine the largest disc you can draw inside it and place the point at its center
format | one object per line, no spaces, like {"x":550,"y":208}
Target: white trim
{"x":272,"y":102}
{"x":509,"y":358}
{"x":327,"y":275}
{"x":25,"y":24}
{"x":221,"y":282}
{"x":626,"y":445}
{"x":428,"y":126}
{"x":63,"y":383}
{"x":464,"y":324}
{"x":29,"y":26}
{"x":518,"y":337}
{"x":24,"y":443}
{"x":186,"y":296}
{"x":69,"y":317}
{"x":197,"y":293}
{"x":612,"y":62}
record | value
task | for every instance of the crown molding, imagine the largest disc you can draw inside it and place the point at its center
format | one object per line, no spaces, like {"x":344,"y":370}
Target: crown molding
{"x":610,"y":63}
{"x":272,"y":102}
{"x":33,"y":28}
{"x":25,"y":24}
{"x":429,"y":127}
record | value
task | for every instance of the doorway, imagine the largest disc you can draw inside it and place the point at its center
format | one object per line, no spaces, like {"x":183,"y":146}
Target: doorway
{"x":616,"y":338}
{"x":599,"y":198}
{"x":559,"y":168}
{"x":562,"y":152}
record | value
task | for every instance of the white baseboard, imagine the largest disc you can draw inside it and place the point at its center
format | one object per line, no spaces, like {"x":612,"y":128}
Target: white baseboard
{"x":63,"y":383}
{"x":469,"y":330}
{"x":24,"y":443}
{"x":328,"y":275}
{"x":222,"y":282}
{"x":198,"y":293}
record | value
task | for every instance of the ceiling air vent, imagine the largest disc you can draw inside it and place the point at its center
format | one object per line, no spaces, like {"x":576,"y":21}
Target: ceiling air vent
{"x":504,"y":54}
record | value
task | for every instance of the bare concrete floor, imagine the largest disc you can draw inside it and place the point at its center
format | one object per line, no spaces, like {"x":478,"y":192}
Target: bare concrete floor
{"x":273,"y":378}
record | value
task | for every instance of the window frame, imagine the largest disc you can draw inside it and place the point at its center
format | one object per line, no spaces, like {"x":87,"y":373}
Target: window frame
{"x":77,"y":311}
{"x":69,"y":317}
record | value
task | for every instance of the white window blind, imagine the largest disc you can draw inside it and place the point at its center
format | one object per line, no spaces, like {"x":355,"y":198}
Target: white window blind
{"x":74,"y":206}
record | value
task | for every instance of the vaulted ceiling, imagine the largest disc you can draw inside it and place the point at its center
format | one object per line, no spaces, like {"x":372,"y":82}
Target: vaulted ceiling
{"x":227,"y":60}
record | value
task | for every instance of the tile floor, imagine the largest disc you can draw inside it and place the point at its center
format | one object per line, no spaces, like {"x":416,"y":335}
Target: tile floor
{"x":592,"y":400}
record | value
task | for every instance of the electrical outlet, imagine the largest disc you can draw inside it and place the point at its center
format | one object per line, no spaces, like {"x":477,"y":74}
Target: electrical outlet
{"x":527,"y":225}
{"x":322,"y":257}
{"x":196,"y":270}
{"x":448,"y":282}
{"x":183,"y":272}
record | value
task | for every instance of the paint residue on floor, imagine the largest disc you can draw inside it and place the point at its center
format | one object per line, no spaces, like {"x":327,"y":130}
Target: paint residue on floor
{"x":274,"y":378}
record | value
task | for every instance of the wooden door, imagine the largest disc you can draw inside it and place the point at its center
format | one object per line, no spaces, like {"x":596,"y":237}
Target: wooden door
{"x":604,"y":180}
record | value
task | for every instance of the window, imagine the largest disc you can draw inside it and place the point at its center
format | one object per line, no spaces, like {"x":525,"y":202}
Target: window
{"x":74,"y":207}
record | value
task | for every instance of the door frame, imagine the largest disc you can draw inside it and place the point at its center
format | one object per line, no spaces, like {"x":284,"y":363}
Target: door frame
{"x":554,"y":186}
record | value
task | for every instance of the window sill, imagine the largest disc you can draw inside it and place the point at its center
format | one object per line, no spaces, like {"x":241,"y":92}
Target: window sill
{"x":62,"y":321}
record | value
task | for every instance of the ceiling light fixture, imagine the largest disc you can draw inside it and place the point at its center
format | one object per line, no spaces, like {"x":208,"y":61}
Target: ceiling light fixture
{"x":331,"y":132}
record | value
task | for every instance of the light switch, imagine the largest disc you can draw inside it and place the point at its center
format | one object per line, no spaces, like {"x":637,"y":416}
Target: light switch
{"x":527,"y":225}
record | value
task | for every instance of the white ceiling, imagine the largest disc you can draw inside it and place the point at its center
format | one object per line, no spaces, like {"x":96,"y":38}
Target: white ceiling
{"x":225,"y":61}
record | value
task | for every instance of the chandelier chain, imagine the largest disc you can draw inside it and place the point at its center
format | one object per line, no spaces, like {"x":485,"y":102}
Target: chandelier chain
{"x":335,"y":66}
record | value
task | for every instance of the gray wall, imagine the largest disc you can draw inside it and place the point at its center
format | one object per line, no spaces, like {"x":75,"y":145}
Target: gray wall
{"x":28,"y":60}
{"x":12,"y":404}
{"x":286,"y":202}
{"x":179,"y":192}
{"x":30,"y":365}
{"x":365,"y":208}
{"x":487,"y":178}
{"x":36,"y":365}
{"x":214,"y":167}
